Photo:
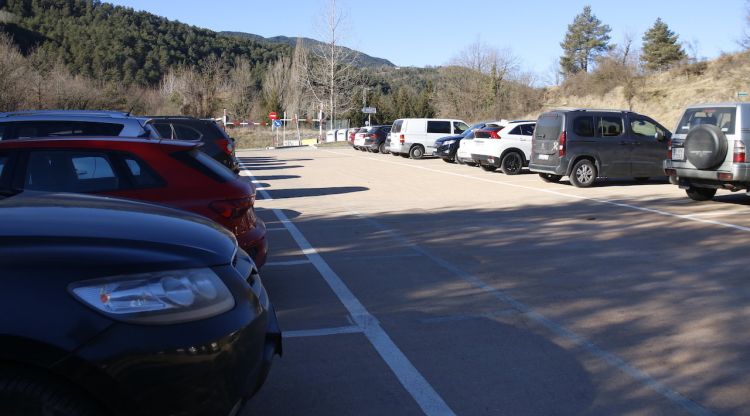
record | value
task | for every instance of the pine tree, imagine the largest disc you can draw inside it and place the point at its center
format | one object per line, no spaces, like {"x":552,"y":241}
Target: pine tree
{"x":660,"y":47}
{"x":586,"y":39}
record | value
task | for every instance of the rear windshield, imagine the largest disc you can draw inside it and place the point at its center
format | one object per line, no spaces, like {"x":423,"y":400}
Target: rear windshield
{"x":397,"y":126}
{"x":206,"y":165}
{"x":482,"y":134}
{"x":29,"y":129}
{"x":723,"y":118}
{"x":549,"y":126}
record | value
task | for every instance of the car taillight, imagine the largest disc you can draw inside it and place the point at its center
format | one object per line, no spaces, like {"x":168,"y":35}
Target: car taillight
{"x":739,"y":152}
{"x":494,"y":135}
{"x":561,"y":144}
{"x":669,"y":149}
{"x":401,"y":139}
{"x":232,"y":208}
{"x":226,"y":145}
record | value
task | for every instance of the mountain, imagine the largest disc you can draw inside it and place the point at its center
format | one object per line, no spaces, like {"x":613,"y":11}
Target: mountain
{"x":113,"y":43}
{"x":363,"y":60}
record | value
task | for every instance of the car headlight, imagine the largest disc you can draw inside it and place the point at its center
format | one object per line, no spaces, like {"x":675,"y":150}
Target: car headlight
{"x":448,"y":142}
{"x":161,"y":298}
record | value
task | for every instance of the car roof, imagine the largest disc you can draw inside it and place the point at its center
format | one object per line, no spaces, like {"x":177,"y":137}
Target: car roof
{"x":591,"y":110}
{"x":724,"y":104}
{"x":72,"y":113}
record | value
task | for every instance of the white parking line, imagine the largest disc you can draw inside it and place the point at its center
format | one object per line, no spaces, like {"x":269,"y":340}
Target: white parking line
{"x":551,"y":192}
{"x":421,"y":391}
{"x":321,"y":332}
{"x":556,"y":328}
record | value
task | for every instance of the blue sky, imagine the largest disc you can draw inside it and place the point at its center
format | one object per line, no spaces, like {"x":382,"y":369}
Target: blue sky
{"x":422,"y":32}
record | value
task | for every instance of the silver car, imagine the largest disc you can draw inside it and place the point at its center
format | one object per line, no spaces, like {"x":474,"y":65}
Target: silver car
{"x":707,"y":152}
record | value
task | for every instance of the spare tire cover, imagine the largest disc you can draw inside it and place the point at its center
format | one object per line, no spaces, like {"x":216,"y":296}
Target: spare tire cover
{"x":706,"y":146}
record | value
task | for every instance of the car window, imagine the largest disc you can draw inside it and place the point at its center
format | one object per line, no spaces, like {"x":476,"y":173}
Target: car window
{"x":516,"y":130}
{"x":397,"y":126}
{"x":165,"y":130}
{"x":443,"y":127}
{"x":142,"y":174}
{"x":723,"y":118}
{"x":644,"y":128}
{"x":583,"y":126}
{"x":70,"y":171}
{"x":28,"y":129}
{"x":609,"y":126}
{"x":186,"y":133}
{"x":3,"y":162}
{"x":206,"y":165}
{"x":459,"y":127}
{"x":527,"y":129}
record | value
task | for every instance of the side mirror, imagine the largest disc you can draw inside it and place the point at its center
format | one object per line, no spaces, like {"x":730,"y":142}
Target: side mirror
{"x":659,"y":136}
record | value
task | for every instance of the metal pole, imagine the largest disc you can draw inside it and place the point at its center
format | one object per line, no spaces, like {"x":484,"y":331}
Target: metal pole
{"x":284,"y":128}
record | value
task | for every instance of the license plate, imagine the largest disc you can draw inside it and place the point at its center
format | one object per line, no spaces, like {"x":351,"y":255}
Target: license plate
{"x":543,"y":157}
{"x":678,"y":153}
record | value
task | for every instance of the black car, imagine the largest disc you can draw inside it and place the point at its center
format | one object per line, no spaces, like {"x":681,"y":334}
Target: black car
{"x":446,"y":147}
{"x":111,"y":307}
{"x":372,"y":138}
{"x":587,"y":144}
{"x":216,"y":142}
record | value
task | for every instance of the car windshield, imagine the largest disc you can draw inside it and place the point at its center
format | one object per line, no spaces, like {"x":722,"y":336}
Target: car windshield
{"x":721,"y":117}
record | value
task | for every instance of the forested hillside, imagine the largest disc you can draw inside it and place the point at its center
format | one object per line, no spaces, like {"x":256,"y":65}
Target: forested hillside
{"x":114,"y":43}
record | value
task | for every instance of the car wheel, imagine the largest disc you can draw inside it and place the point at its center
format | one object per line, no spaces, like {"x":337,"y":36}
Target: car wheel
{"x":381,"y":148}
{"x":512,"y":164}
{"x":416,"y":152}
{"x":489,"y":168}
{"x":548,"y":177}
{"x":642,"y":179}
{"x":700,"y":194}
{"x":584,"y":174}
{"x":706,"y":146}
{"x":35,"y":394}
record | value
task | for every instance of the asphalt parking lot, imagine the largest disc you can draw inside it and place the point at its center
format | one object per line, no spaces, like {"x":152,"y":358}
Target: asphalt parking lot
{"x":420,"y":287}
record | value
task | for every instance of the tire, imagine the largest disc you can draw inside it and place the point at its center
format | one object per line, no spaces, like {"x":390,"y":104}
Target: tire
{"x":548,"y":177}
{"x":583,"y":174}
{"x":30,"y":393}
{"x":489,"y":168}
{"x":381,"y":148}
{"x":700,"y":194}
{"x":512,"y":164}
{"x":642,"y":179}
{"x":706,"y":146}
{"x":416,"y":152}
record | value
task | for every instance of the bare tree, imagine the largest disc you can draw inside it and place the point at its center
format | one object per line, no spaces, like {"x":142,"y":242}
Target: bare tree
{"x":328,"y":68}
{"x":276,"y":84}
{"x":745,"y":40}
{"x":12,"y":75}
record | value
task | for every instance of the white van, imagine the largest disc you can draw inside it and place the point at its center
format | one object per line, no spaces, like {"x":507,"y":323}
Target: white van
{"x":330,"y":136}
{"x":415,"y":137}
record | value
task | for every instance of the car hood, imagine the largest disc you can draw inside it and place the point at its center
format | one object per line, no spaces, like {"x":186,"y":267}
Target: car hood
{"x":444,"y":139}
{"x":107,"y":233}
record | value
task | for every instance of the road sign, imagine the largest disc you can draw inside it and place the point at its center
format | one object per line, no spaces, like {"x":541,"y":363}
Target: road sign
{"x":272,"y":115}
{"x":742,"y":94}
{"x":277,"y":123}
{"x":370,"y":110}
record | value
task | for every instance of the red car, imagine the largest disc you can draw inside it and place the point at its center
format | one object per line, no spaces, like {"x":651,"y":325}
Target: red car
{"x":169,"y":172}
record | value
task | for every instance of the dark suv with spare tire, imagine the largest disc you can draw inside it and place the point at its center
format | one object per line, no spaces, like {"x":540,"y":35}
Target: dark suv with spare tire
{"x":588,"y":144}
{"x":707,"y":150}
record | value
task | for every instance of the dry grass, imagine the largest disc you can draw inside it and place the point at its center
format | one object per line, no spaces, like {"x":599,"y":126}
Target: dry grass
{"x":663,"y":96}
{"x":262,"y":137}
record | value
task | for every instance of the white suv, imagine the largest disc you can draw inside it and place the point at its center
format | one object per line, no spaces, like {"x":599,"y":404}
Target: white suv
{"x":509,"y":149}
{"x":707,"y":150}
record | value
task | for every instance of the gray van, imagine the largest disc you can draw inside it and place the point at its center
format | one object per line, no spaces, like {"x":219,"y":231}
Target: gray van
{"x":587,"y":144}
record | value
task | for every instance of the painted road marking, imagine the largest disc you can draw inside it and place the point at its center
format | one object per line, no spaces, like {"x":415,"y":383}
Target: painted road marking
{"x":322,"y":332}
{"x":421,"y":391}
{"x":579,"y":197}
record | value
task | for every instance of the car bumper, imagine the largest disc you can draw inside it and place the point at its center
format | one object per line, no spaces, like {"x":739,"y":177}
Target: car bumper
{"x":254,"y":242}
{"x":446,"y":152}
{"x":554,"y":170}
{"x":205,"y":367}
{"x":486,"y":160}
{"x":398,"y":148}
{"x":737,"y":177}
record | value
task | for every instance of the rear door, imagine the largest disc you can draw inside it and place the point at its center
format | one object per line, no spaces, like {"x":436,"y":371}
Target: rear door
{"x":549,"y":126}
{"x":648,"y":152}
